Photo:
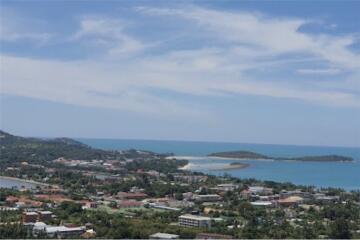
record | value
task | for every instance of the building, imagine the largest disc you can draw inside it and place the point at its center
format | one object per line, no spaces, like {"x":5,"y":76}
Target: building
{"x":129,"y":204}
{"x":260,"y":190}
{"x":57,"y":231}
{"x":29,"y":217}
{"x":207,"y":198}
{"x":290,"y":201}
{"x":44,"y":216}
{"x":163,"y":236}
{"x":189,"y":220}
{"x":136,"y":196}
{"x":262,"y":204}
{"x":163,"y":207}
{"x":212,"y":236}
{"x":227,"y":187}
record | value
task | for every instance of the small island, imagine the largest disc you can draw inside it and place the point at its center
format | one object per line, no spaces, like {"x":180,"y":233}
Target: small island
{"x":257,"y":156}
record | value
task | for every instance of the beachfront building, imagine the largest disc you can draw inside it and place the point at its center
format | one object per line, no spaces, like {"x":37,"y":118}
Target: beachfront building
{"x":189,"y":220}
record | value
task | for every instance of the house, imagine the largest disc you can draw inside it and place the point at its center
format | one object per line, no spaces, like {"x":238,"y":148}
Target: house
{"x":290,"y":201}
{"x":189,"y":220}
{"x":163,"y":236}
{"x":11,"y":200}
{"x":207,"y":198}
{"x":260,"y":190}
{"x":88,"y":204}
{"x":326,"y":199}
{"x":227,"y":187}
{"x":129,"y":204}
{"x":126,"y":195}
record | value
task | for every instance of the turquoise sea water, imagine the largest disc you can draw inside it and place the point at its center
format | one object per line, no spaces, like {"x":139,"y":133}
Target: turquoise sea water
{"x":325,"y":174}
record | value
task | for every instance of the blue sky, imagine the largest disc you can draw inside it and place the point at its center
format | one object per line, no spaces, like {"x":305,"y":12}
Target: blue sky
{"x":283,"y":72}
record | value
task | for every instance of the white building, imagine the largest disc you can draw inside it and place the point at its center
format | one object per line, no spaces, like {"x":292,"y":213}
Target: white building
{"x":262,"y":203}
{"x":57,"y":231}
{"x":207,"y":198}
{"x":227,"y":187}
{"x":189,"y":220}
{"x":163,"y":236}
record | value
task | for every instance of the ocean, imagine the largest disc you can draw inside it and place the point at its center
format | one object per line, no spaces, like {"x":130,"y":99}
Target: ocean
{"x":15,"y":183}
{"x":319,"y":174}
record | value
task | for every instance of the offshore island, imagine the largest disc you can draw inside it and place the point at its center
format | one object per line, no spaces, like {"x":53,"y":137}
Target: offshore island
{"x":257,"y":156}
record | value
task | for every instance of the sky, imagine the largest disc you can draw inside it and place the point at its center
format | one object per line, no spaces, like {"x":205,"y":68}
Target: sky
{"x":277,"y":72}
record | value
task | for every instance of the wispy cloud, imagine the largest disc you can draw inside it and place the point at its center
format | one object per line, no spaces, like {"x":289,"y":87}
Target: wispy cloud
{"x":246,"y":54}
{"x":325,"y":71}
{"x":109,"y":33}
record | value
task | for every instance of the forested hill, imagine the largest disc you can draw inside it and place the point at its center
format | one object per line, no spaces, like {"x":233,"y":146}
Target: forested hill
{"x":36,"y":150}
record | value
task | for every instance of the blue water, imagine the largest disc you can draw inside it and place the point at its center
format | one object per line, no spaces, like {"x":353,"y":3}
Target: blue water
{"x":14,"y":183}
{"x":325,"y":174}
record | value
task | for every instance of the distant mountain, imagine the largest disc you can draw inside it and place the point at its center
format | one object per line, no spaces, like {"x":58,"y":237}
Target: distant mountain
{"x":253,"y":155}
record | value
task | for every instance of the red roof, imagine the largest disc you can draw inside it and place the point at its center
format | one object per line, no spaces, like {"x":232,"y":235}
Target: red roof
{"x":12,"y":199}
{"x":130,"y":204}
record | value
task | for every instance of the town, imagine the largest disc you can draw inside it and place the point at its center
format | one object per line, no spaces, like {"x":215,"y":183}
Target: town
{"x":140,"y":194}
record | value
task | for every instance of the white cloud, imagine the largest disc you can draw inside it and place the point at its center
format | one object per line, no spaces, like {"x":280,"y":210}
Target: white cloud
{"x":245,"y":42}
{"x":109,"y":33}
{"x":272,"y":36}
{"x":324,"y":71}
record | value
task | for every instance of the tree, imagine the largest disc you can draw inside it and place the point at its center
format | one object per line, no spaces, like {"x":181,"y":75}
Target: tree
{"x":339,"y":229}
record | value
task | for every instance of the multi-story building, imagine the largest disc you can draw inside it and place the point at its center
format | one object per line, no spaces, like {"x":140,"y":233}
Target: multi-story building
{"x":189,"y":220}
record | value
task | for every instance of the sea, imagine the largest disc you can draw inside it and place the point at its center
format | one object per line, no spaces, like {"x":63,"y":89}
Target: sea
{"x":16,"y":184}
{"x":344,"y":175}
